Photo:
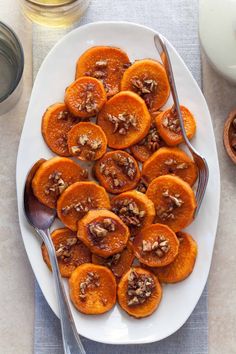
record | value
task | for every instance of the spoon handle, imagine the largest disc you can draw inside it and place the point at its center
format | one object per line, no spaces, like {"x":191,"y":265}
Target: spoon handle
{"x":71,"y":340}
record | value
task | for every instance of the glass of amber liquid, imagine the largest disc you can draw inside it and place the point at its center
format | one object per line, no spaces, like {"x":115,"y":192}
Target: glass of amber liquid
{"x":54,"y":13}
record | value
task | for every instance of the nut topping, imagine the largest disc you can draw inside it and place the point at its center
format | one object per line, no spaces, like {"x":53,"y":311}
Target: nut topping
{"x":64,"y":250}
{"x":101,"y":64}
{"x":145,"y":86}
{"x":123,"y":122}
{"x":174,"y":201}
{"x":81,"y":207}
{"x":75,"y":149}
{"x":161,"y":246}
{"x":56,"y":184}
{"x":129,"y":213}
{"x":101,"y":229}
{"x":63,"y":115}
{"x":171,"y":121}
{"x":91,"y":282}
{"x":127,"y":165}
{"x":83,"y":139}
{"x":140,"y":288}
{"x":92,"y":145}
{"x":152,"y":140}
{"x":88,"y":104}
{"x":175,"y":164}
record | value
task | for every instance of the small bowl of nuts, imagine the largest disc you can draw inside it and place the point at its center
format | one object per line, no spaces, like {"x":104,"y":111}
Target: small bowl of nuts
{"x":230,"y":135}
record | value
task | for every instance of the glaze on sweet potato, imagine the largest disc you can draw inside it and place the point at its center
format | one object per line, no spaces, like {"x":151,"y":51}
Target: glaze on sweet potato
{"x":92,"y":289}
{"x":103,"y":232}
{"x":147,"y":77}
{"x":124,"y":119}
{"x":87,"y":141}
{"x":168,"y":125}
{"x":117,"y":171}
{"x":172,"y":161}
{"x":139,"y":300}
{"x":70,"y":251}
{"x":183,"y":264}
{"x":119,"y":263}
{"x":174,"y":201}
{"x":78,"y":199}
{"x":156,"y":245}
{"x":56,"y":123}
{"x":85,"y":97}
{"x":135,"y":210}
{"x":53,"y":177}
{"x":106,"y":64}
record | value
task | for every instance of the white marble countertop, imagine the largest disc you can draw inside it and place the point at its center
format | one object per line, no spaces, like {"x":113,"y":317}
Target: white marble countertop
{"x":16,"y":277}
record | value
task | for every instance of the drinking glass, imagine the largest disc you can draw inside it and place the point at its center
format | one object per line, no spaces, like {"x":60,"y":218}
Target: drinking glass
{"x":217,"y":29}
{"x":55,"y":13}
{"x":11,"y":68}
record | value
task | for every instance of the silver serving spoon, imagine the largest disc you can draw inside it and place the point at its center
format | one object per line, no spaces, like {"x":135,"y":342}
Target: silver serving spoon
{"x":41,"y":218}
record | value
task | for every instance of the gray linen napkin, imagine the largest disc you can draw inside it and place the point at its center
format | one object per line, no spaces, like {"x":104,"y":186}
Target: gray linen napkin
{"x":178,"y":21}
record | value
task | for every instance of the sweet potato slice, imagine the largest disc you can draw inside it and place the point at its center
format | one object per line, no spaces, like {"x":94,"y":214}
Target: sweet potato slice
{"x":78,"y":199}
{"x":139,"y":292}
{"x":117,"y":171}
{"x":103,"y":232}
{"x":135,"y":210}
{"x":174,"y":201}
{"x":87,"y":141}
{"x":148,"y":145}
{"x":53,"y":177}
{"x":70,"y":251}
{"x":85,"y":97}
{"x":183,"y":264}
{"x":169,"y":128}
{"x":119,"y":263}
{"x":56,"y":123}
{"x":156,"y":245}
{"x":124,"y":119}
{"x":147,"y":77}
{"x":170,"y":161}
{"x":92,"y":289}
{"x":106,"y":64}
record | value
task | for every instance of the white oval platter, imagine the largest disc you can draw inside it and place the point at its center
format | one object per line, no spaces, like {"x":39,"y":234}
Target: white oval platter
{"x":55,"y":74}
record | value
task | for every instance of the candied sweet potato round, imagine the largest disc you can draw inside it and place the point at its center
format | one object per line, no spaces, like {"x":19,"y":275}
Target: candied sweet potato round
{"x":87,"y":141}
{"x":124,"y":119}
{"x":85,"y":97}
{"x":148,"y":145}
{"x":53,"y":177}
{"x":103,"y":232}
{"x":56,"y":123}
{"x":183,"y":264}
{"x":134,"y":209}
{"x":119,"y":263}
{"x":92,"y":289}
{"x":139,"y":292}
{"x":147,"y":78}
{"x":156,"y":245}
{"x":70,"y":251}
{"x":117,"y":171}
{"x":174,"y":201}
{"x":170,"y":161}
{"x":169,"y":128}
{"x":106,"y":64}
{"x":78,"y":199}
